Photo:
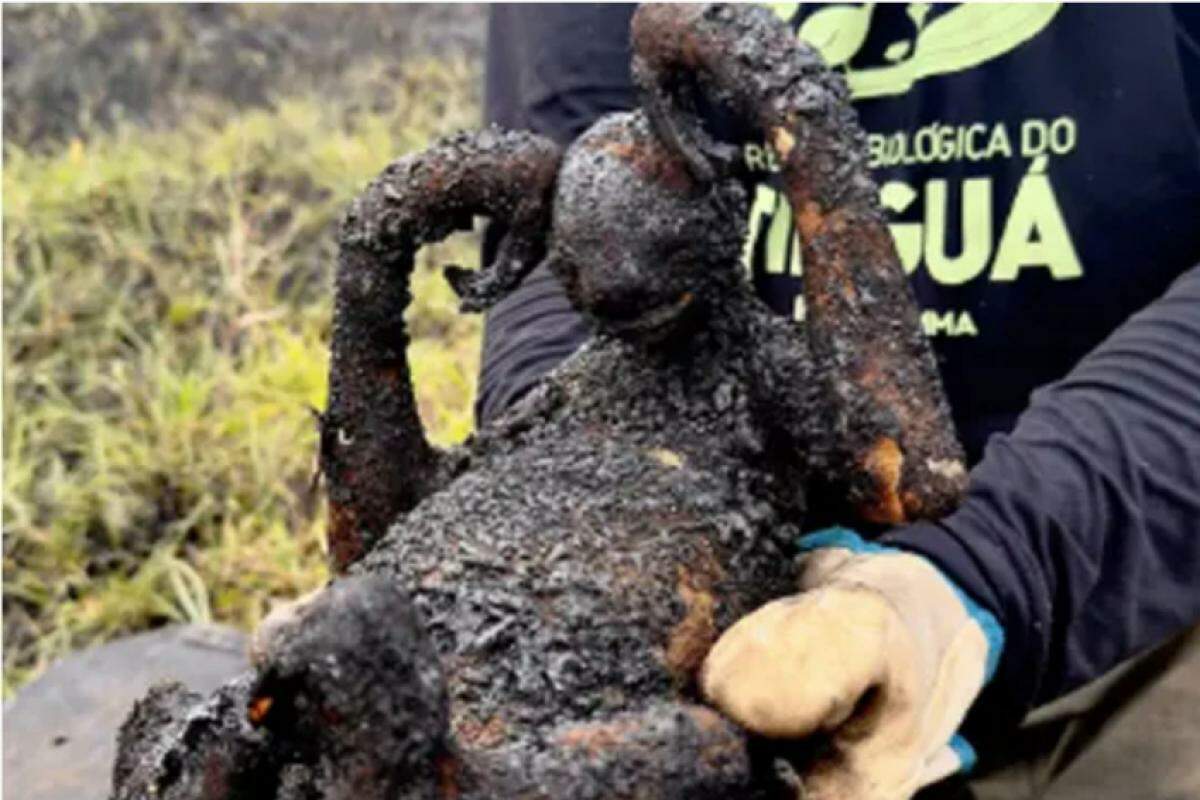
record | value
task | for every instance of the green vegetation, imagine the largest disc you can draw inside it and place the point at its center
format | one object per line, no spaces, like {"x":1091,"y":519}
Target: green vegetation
{"x":167,"y":303}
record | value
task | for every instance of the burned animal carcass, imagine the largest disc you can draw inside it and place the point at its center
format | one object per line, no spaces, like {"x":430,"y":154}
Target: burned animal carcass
{"x":525,"y":615}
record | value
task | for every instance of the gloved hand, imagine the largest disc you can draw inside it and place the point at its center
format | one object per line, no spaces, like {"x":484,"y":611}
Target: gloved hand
{"x":880,"y":650}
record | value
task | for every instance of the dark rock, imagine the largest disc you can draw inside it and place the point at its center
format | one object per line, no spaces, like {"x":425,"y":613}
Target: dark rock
{"x":60,"y":732}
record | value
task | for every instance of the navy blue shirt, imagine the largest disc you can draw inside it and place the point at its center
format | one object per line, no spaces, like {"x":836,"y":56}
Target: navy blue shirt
{"x":1042,"y":167}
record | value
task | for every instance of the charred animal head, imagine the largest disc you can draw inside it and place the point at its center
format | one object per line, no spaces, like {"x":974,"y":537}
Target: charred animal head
{"x":641,"y":245}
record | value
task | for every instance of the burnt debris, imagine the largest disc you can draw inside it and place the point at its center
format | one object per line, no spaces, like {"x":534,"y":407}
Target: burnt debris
{"x":525,"y":616}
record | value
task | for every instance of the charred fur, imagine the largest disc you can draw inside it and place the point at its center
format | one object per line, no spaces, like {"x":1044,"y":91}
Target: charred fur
{"x":525,"y":616}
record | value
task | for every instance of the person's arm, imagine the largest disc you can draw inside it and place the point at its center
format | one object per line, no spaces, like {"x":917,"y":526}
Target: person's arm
{"x":1083,"y":526}
{"x":1078,"y":545}
{"x":1081,"y":529}
{"x":554,"y":70}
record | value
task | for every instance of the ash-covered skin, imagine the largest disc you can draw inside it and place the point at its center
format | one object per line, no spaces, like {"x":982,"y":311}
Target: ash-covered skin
{"x":632,"y":492}
{"x":532,"y":623}
{"x":667,"y":752}
{"x":177,"y":745}
{"x":639,"y":244}
{"x":350,"y":705}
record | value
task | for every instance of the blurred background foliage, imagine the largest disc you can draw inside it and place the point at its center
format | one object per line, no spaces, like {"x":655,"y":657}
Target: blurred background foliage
{"x":172,"y":180}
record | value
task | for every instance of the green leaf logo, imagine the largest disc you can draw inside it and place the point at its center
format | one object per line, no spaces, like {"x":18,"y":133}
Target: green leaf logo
{"x":917,"y":13}
{"x":959,"y":39}
{"x":838,"y":32}
{"x":898,"y":50}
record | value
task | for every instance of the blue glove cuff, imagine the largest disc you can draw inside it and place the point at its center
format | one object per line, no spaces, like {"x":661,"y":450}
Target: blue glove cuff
{"x":965,"y":752}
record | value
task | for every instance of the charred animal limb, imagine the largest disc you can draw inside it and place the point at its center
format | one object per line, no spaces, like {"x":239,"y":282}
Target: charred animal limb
{"x":374,"y":453}
{"x":349,"y":704}
{"x":892,"y":427}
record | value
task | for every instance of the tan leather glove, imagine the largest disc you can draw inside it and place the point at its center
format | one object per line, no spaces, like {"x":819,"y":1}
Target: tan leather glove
{"x":880,"y":650}
{"x":281,"y":616}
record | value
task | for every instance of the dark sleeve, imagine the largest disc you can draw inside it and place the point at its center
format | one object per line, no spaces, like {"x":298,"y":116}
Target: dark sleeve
{"x":1187,"y":39}
{"x":1081,"y":529}
{"x":553,"y":69}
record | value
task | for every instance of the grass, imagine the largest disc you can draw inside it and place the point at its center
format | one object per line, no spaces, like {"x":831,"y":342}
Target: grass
{"x":167,"y":307}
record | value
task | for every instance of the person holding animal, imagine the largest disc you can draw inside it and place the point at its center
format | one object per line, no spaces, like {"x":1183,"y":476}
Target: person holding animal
{"x":1043,"y":171}
{"x":526,"y":614}
{"x":541,"y":611}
